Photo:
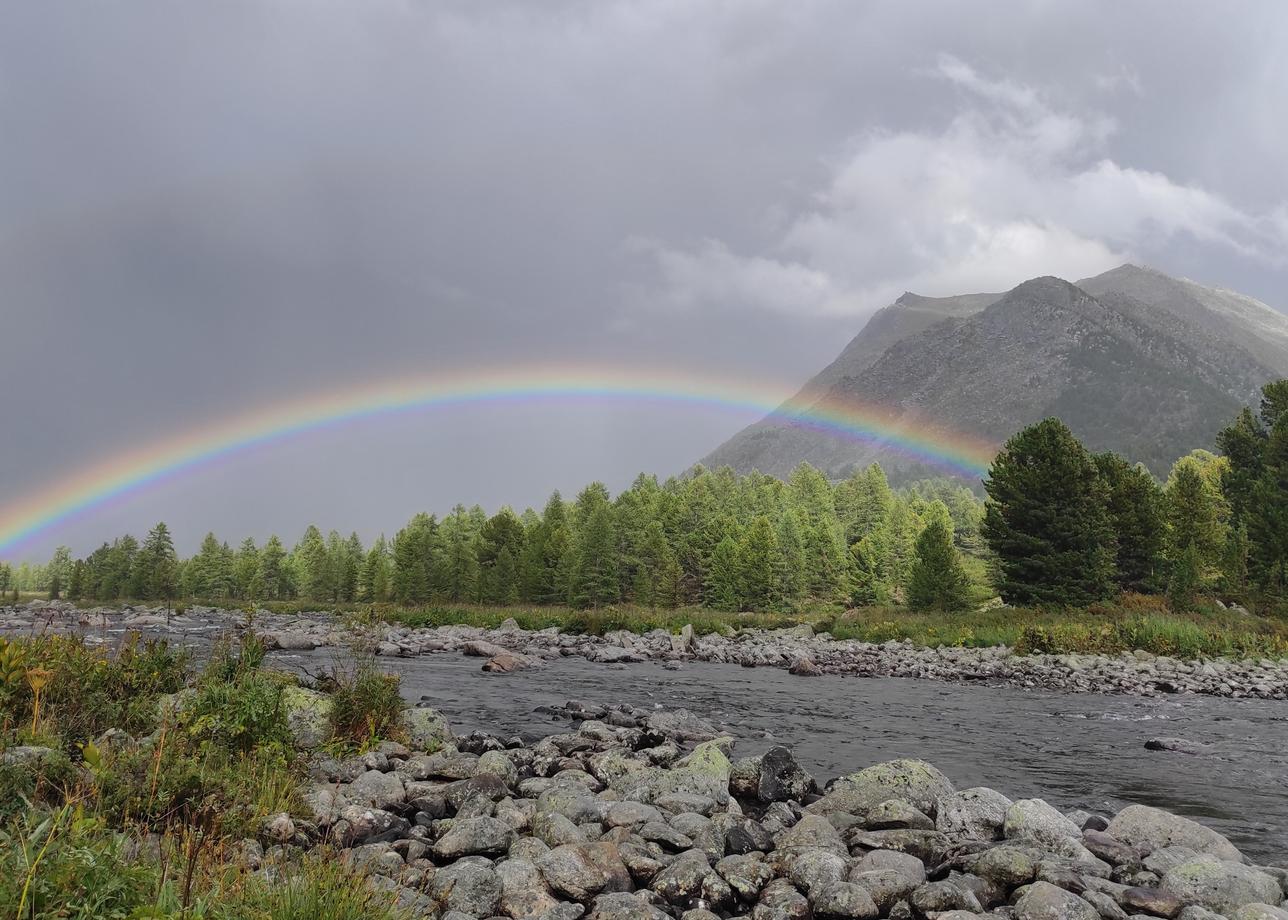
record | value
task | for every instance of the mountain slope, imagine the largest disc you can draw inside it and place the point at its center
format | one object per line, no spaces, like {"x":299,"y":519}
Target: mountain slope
{"x":1148,"y":365}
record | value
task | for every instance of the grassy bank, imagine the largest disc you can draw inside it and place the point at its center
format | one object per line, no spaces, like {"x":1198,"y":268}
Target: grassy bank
{"x":130,"y":780}
{"x":1133,"y":622}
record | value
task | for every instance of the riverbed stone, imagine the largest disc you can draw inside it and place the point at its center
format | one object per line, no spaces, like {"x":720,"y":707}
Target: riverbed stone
{"x":377,"y":790}
{"x":1152,"y":828}
{"x":976,"y":814}
{"x":896,"y":813}
{"x":622,"y":906}
{"x":781,"y":901}
{"x":468,"y":885}
{"x":1008,"y":865}
{"x":745,"y":874}
{"x":426,"y":728}
{"x":683,"y":878}
{"x":809,"y":833}
{"x":1220,"y":885}
{"x":914,"y":781}
{"x":1259,"y":912}
{"x":1044,"y":901}
{"x":844,"y":901}
{"x":780,"y":778}
{"x":474,"y":837}
{"x":888,"y":886}
{"x":811,"y":869}
{"x":1156,"y":902}
{"x":571,"y":872}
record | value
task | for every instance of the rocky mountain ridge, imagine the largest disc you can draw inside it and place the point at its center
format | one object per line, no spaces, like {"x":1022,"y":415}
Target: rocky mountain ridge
{"x":1133,"y":360}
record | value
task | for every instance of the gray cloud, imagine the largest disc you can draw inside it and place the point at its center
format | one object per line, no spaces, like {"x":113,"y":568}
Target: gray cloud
{"x":207,"y":206}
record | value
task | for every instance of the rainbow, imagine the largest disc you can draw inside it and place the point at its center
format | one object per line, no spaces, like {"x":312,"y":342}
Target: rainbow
{"x":131,"y":472}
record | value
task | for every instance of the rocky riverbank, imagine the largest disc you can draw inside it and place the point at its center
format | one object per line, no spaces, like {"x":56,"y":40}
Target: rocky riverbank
{"x":632,"y":814}
{"x":799,"y":649}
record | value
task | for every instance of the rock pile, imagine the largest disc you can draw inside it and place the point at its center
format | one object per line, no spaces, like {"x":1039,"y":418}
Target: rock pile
{"x":648,"y":816}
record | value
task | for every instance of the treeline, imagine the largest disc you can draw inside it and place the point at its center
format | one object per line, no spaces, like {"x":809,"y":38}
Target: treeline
{"x":1061,"y":527}
{"x":711,"y":538}
{"x":1067,"y":527}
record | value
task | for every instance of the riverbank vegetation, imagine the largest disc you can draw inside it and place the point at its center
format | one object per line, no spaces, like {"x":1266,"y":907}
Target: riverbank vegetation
{"x":132,"y":781}
{"x":1062,"y":528}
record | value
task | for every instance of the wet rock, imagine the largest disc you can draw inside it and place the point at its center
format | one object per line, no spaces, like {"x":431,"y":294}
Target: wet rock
{"x":1221,"y":886}
{"x":1110,"y":849}
{"x":1152,"y":828}
{"x":507,"y":662}
{"x":1044,"y":901}
{"x":1176,"y":745}
{"x":804,"y":667}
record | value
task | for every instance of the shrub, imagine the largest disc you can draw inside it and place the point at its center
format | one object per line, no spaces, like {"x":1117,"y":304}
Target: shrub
{"x":238,"y":715}
{"x":365,"y":705}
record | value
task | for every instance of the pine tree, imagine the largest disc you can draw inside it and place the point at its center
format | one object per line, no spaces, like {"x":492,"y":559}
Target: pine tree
{"x":938,"y":581}
{"x":722,"y":590}
{"x":1136,"y":508}
{"x":760,"y":568}
{"x":272,"y":579}
{"x":245,"y":567}
{"x":594,"y":578}
{"x":374,"y":583}
{"x":1047,"y":520}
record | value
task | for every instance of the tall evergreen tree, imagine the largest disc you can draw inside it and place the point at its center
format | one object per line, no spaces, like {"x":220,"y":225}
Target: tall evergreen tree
{"x":272,"y":579}
{"x":594,"y":577}
{"x":245,"y":568}
{"x":1137,"y":514}
{"x":1047,"y":520}
{"x":158,"y":565}
{"x":374,"y":583}
{"x":723,"y":590}
{"x":760,"y":567}
{"x":938,"y":581}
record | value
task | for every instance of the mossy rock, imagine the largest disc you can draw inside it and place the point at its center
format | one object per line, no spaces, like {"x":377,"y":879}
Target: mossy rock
{"x":916,"y":782}
{"x":426,"y":729}
{"x":308,"y":716}
{"x":711,"y":759}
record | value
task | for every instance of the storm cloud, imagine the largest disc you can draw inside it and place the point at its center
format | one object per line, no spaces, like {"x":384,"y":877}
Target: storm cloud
{"x":208,"y":207}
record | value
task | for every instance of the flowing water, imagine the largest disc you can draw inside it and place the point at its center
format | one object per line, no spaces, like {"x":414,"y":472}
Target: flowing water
{"x":1074,"y":750}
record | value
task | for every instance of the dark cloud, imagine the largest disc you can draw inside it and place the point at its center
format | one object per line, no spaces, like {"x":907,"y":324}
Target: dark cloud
{"x":204,"y":207}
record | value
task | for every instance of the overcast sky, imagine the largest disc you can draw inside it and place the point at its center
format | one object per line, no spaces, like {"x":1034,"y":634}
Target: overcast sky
{"x":205,"y":207}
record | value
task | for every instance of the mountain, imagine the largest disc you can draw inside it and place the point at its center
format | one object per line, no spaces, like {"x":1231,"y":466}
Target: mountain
{"x":1133,"y":360}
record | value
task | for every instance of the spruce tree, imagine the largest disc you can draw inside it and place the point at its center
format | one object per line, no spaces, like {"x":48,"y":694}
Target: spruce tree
{"x":594,"y":577}
{"x":760,"y":567}
{"x":1047,"y":521}
{"x":157,"y":565}
{"x":721,"y":590}
{"x":938,"y":581}
{"x":1136,"y":509}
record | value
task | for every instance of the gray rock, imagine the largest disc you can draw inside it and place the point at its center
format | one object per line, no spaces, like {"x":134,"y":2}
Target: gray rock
{"x":914,"y":781}
{"x":622,"y":906}
{"x":683,"y":878}
{"x":1259,"y":912}
{"x":813,"y":869}
{"x":844,"y":901}
{"x":474,"y":837}
{"x":1008,"y":866}
{"x":468,"y":885}
{"x":905,"y":864}
{"x":377,"y":790}
{"x":937,"y":897}
{"x":747,"y":875}
{"x":571,"y":872}
{"x":524,"y":892}
{"x":887,"y":886}
{"x":781,"y":901}
{"x":780,"y":778}
{"x":1044,"y":901}
{"x":809,"y":833}
{"x":1221,"y":886}
{"x":554,"y":830}
{"x":975,"y":814}
{"x":426,"y":729}
{"x":1153,"y":901}
{"x":1152,"y":828}
{"x":1035,"y":820}
{"x":896,"y":813}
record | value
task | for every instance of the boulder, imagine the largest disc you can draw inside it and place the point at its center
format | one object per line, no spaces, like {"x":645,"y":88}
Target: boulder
{"x":914,"y":781}
{"x":812,"y":832}
{"x":975,"y":814}
{"x":570,"y":871}
{"x":1220,"y":885}
{"x":622,"y":906}
{"x":481,"y":836}
{"x":1035,"y":820}
{"x":1044,"y":901}
{"x":468,"y":885}
{"x":308,"y":716}
{"x":377,"y":790}
{"x":779,"y":778}
{"x":426,"y":729}
{"x":844,"y":901}
{"x":1152,"y":828}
